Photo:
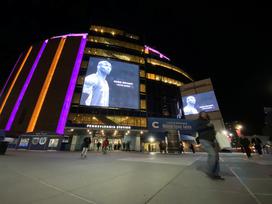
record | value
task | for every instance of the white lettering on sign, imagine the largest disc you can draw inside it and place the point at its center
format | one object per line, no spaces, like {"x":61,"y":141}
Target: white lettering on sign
{"x":155,"y":124}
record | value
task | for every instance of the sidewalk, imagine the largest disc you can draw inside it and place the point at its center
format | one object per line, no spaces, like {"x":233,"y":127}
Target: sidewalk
{"x":127,"y":177}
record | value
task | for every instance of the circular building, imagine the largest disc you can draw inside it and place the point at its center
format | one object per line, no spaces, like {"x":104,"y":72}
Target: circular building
{"x":105,"y":83}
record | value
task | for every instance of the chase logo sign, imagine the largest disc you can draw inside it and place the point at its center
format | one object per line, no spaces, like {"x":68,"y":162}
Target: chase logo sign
{"x":164,"y":124}
{"x":155,"y":124}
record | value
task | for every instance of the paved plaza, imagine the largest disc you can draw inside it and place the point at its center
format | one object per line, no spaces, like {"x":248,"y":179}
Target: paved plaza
{"x":130,"y":177}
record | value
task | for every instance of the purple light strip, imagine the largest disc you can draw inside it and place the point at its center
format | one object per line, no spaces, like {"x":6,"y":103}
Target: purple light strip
{"x":10,"y":75}
{"x":22,"y":93}
{"x":157,"y":52}
{"x":69,"y":35}
{"x":71,"y":87}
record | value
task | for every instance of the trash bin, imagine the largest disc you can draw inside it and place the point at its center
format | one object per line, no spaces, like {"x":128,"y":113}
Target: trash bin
{"x":3,"y":147}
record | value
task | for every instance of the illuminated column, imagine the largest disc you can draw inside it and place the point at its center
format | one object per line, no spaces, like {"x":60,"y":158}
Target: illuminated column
{"x":14,"y":80}
{"x":71,"y":87}
{"x":44,"y":90}
{"x":22,"y":93}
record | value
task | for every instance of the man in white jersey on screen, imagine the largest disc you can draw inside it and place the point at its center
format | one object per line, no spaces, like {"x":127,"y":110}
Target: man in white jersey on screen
{"x":96,"y":85}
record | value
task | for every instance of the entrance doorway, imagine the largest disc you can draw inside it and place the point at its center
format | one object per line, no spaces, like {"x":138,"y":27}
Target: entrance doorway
{"x":151,"y":147}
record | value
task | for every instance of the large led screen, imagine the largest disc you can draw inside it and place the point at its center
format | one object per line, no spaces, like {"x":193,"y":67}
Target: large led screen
{"x":110,"y":83}
{"x":193,"y":104}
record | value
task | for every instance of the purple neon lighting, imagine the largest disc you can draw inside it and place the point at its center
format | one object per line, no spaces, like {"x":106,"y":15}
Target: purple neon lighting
{"x":71,"y":87}
{"x":10,"y":75}
{"x":22,"y":93}
{"x":69,"y":35}
{"x":157,"y":52}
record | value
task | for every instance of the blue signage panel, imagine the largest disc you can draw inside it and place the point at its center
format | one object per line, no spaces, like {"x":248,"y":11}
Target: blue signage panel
{"x":165,"y":124}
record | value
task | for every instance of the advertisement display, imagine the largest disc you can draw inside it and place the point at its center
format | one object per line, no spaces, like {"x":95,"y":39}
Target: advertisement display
{"x":53,"y":143}
{"x":193,"y":104}
{"x":37,"y":143}
{"x":24,"y":142}
{"x":42,"y":140}
{"x":110,"y":83}
{"x":166,"y":124}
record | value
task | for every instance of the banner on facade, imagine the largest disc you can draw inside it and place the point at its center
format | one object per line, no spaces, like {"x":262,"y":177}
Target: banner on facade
{"x":166,"y":124}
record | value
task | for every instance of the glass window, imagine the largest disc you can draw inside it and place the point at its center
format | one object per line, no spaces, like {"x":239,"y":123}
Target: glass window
{"x":142,"y":88}
{"x":113,"y":32}
{"x":109,"y":41}
{"x":76,"y":98}
{"x":84,"y":64}
{"x":142,"y":73}
{"x":163,"y":79}
{"x":168,"y":66}
{"x":143,"y":104}
{"x":113,"y":54}
{"x":80,"y":80}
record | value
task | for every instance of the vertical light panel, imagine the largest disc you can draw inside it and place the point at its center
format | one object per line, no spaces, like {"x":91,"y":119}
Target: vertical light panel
{"x":10,"y":75}
{"x":45,"y":87}
{"x":14,"y":80}
{"x":71,"y":87}
{"x":22,"y":93}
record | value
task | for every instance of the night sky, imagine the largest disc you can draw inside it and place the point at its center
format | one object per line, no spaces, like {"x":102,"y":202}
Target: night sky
{"x":231,"y":46}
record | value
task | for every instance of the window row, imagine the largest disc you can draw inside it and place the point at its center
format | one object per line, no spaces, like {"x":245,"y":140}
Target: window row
{"x":163,"y":79}
{"x":113,"y":32}
{"x":114,"y":54}
{"x":168,"y":66}
{"x":109,"y":41}
{"x":98,"y":120}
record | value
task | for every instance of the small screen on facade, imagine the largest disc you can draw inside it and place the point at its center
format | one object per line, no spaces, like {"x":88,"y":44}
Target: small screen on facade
{"x":193,"y":104}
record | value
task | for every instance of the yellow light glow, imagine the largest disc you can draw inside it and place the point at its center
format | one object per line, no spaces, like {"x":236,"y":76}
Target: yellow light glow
{"x":14,"y":80}
{"x":239,"y":127}
{"x":45,"y":87}
{"x":151,"y":139}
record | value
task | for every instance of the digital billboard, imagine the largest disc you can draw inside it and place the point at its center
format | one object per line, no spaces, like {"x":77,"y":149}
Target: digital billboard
{"x":110,"y":83}
{"x":193,"y":104}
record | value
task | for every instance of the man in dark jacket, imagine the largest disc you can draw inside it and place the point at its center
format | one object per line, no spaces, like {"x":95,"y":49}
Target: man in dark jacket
{"x":245,"y":145}
{"x":207,"y":140}
{"x":86,"y":143}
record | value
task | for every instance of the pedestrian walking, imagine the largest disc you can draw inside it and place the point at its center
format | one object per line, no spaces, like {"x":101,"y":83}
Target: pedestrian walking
{"x":192,"y":147}
{"x":105,"y":145}
{"x":181,"y":147}
{"x":98,"y":144}
{"x":85,"y":146}
{"x":245,"y":143}
{"x":207,"y":139}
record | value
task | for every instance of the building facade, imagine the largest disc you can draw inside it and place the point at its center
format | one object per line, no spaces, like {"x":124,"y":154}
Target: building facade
{"x":49,"y":89}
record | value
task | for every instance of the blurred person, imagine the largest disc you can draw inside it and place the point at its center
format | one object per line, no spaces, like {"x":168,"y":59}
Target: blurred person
{"x":105,"y":145}
{"x":245,"y":143}
{"x":160,"y":147}
{"x":192,"y":147}
{"x":86,"y":143}
{"x":258,"y":146}
{"x":206,"y":134}
{"x":96,"y":85}
{"x":181,"y":147}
